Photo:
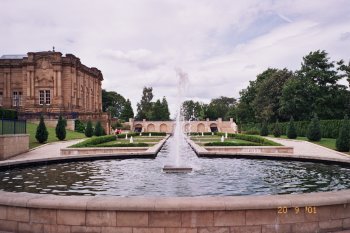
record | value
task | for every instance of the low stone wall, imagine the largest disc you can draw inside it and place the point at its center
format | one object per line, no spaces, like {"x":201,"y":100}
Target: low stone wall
{"x":53,"y":122}
{"x":315,"y":212}
{"x":251,"y":149}
{"x":153,"y":150}
{"x":13,"y":144}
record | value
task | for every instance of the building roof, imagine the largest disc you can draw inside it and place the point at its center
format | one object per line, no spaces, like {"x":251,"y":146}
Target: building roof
{"x":13,"y":56}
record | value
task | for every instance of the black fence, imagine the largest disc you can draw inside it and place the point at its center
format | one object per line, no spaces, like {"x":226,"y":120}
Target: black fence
{"x":13,"y":126}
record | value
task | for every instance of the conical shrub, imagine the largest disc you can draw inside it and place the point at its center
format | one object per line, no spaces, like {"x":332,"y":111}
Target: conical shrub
{"x":264,"y":131}
{"x":277,"y":130}
{"x":291,"y":131}
{"x":343,"y":140}
{"x":61,"y":128}
{"x":89,"y":131}
{"x":98,"y":129}
{"x":41,"y":134}
{"x":314,"y":130}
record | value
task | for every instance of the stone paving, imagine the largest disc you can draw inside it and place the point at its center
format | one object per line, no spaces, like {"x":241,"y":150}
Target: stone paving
{"x":45,"y":151}
{"x":310,"y":149}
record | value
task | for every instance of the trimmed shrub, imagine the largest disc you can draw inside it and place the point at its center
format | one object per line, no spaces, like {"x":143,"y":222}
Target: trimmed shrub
{"x":251,"y":138}
{"x":264,"y":131}
{"x":41,"y":132}
{"x":139,"y":144}
{"x":153,"y":133}
{"x":252,"y":132}
{"x":93,"y":142}
{"x":79,"y":126}
{"x":291,"y":131}
{"x":343,"y":140}
{"x":314,"y":131}
{"x":99,"y":131}
{"x":61,"y":128}
{"x":89,"y":131}
{"x":231,"y":144}
{"x":277,"y":130}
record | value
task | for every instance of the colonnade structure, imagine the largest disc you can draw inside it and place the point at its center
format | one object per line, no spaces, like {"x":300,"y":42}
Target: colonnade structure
{"x":189,"y":126}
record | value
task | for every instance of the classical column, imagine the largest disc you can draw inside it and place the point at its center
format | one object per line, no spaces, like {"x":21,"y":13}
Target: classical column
{"x":28,"y":84}
{"x":59,"y":84}
{"x":55,"y":83}
{"x":32,"y":83}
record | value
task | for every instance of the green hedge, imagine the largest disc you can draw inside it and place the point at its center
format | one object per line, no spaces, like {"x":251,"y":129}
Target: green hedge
{"x":251,"y":138}
{"x":139,"y":144}
{"x":204,"y":133}
{"x":329,"y":128}
{"x":8,"y":114}
{"x":94,"y":141}
{"x":152,"y":133}
{"x":231,"y":144}
{"x":79,"y":126}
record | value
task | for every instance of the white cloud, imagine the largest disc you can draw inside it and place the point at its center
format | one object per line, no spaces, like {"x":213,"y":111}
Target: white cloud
{"x":220,"y":44}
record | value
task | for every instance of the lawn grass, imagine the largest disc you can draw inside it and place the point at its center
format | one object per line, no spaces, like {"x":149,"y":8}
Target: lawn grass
{"x":31,"y":130}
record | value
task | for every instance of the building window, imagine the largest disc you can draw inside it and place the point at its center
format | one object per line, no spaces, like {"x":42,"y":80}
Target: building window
{"x":44,"y":97}
{"x":17,"y":98}
{"x":0,"y":98}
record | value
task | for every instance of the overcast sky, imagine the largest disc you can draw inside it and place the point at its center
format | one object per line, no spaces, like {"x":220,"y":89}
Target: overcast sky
{"x":220,"y":44}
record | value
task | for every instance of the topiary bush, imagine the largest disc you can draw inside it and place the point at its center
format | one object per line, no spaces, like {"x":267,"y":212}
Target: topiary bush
{"x":153,"y":133}
{"x":314,"y":130}
{"x":41,"y":132}
{"x":251,"y":138}
{"x":89,"y":131}
{"x":264,"y":131}
{"x":79,"y":126}
{"x":99,"y":131}
{"x":139,"y":144}
{"x":61,"y":128}
{"x":343,"y":141}
{"x":232,"y":144}
{"x":291,"y":131}
{"x":277,"y":130}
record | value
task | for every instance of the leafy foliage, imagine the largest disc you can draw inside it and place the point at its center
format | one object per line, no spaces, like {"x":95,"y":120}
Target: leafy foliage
{"x":264,"y":130}
{"x":8,"y":114}
{"x":89,"y":131}
{"x":343,"y":140}
{"x":251,"y":138}
{"x":314,"y":130}
{"x":61,"y":128}
{"x":41,"y":131}
{"x":99,"y":131}
{"x":113,"y":103}
{"x":79,"y":126}
{"x":231,"y":144}
{"x":277,"y":130}
{"x":291,"y":131}
{"x":127,"y":111}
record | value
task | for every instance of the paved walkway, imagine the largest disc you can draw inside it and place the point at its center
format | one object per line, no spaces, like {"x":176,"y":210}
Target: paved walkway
{"x":310,"y":149}
{"x":46,"y":151}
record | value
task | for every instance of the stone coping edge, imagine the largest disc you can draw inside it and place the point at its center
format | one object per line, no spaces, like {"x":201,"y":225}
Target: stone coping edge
{"x":202,"y":152}
{"x":202,"y":203}
{"x":151,"y":153}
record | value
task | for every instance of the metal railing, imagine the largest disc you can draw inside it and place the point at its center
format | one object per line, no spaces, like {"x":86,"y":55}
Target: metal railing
{"x":8,"y":126}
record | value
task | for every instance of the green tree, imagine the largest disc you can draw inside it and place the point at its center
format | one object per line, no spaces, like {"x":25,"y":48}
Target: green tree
{"x":314,"y":130}
{"x":219,"y":107}
{"x":127,"y":111}
{"x":291,"y":131}
{"x":266,"y":103}
{"x":165,"y":114}
{"x":113,"y":103}
{"x":277,"y":130}
{"x":156,"y":111}
{"x":61,"y":128}
{"x":191,"y":109}
{"x":98,"y":129}
{"x":264,"y":131}
{"x":41,"y":131}
{"x":89,"y":131}
{"x":144,"y":107}
{"x":343,"y":140}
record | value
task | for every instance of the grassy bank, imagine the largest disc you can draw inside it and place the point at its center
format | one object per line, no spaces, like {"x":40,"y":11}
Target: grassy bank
{"x":31,"y":130}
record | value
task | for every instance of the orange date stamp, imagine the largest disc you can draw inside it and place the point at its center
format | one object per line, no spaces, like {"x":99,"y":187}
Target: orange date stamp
{"x":296,"y":210}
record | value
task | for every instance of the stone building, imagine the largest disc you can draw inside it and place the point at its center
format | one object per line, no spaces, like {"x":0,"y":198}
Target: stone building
{"x":190,"y":126}
{"x":51,"y":83}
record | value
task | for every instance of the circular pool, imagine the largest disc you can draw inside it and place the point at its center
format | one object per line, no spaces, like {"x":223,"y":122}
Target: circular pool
{"x":144,"y":177}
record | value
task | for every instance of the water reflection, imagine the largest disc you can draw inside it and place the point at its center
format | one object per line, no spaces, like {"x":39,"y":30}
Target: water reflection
{"x":143,"y":177}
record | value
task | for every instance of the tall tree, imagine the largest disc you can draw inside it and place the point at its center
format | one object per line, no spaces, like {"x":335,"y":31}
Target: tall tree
{"x":41,"y":132}
{"x":219,"y":107}
{"x":267,"y":100}
{"x":144,"y":107}
{"x":165,"y":114}
{"x":191,"y":109}
{"x":61,"y":129}
{"x":127,"y":111}
{"x":113,"y":103}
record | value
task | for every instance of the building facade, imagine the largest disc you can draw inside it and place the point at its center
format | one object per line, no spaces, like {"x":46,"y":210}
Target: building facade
{"x":189,"y":126}
{"x":49,"y":82}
